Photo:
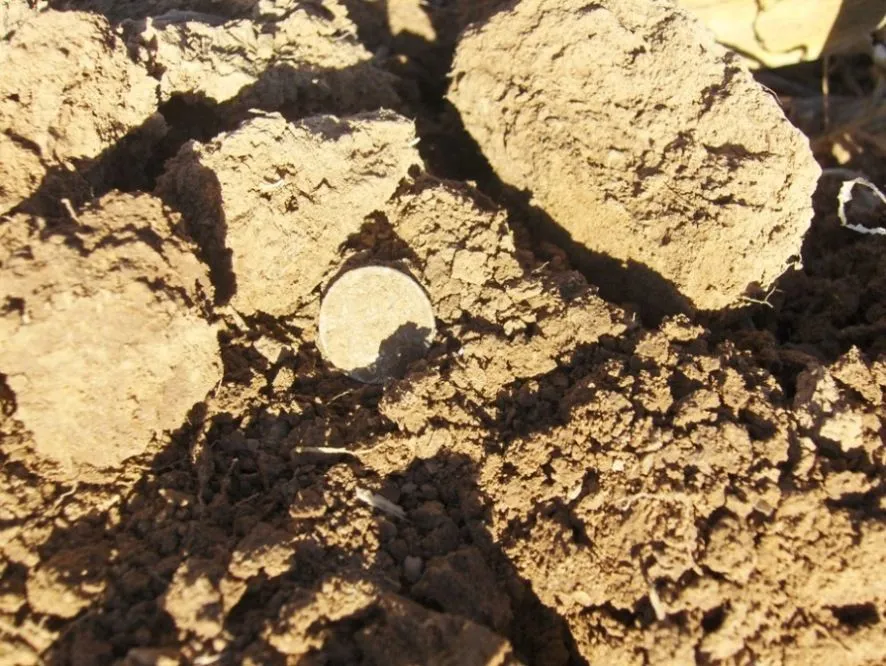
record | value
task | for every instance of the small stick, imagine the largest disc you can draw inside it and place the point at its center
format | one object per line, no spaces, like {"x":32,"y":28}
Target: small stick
{"x":826,"y":91}
{"x":70,"y":208}
{"x":340,"y":395}
{"x":331,"y":450}
{"x":764,"y":300}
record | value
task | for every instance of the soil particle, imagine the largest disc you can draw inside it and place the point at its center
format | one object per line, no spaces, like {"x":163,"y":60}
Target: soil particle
{"x":264,"y":550}
{"x":60,"y":110}
{"x":113,"y":300}
{"x":460,"y":582}
{"x":271,"y":202}
{"x":194,"y":600}
{"x":641,"y":152}
{"x":52,"y":592}
{"x":409,"y":633}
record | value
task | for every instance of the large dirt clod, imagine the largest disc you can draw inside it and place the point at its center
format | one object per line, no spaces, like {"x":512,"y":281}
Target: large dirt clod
{"x":642,"y":138}
{"x":292,"y":56}
{"x":103,"y":346}
{"x":271,"y":202}
{"x":68,"y":91}
{"x":466,"y":256}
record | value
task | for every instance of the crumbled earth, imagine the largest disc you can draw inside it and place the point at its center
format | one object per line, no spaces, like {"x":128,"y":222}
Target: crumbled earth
{"x":691,"y":171}
{"x":185,"y":480}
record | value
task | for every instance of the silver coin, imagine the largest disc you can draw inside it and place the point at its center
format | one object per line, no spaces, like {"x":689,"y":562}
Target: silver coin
{"x":374,"y":322}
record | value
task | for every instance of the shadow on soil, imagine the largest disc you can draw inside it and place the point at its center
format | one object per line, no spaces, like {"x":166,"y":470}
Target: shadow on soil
{"x":450,"y":152}
{"x":855,"y":19}
{"x":243,"y":539}
{"x":135,"y":163}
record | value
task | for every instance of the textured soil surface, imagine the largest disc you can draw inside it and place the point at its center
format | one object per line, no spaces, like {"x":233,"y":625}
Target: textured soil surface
{"x":691,"y":171}
{"x":649,"y":429}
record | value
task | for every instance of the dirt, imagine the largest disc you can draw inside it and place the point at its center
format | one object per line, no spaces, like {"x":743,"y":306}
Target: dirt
{"x":55,"y":107}
{"x":104,"y":315}
{"x":236,"y":191}
{"x":576,"y":472}
{"x":582,"y":111}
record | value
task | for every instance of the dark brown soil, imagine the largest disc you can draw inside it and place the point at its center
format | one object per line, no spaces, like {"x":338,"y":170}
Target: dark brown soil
{"x":575,"y":473}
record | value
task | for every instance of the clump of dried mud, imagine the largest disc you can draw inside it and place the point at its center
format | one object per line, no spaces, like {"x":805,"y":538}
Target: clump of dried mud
{"x":636,"y":157}
{"x":55,"y":108}
{"x":185,"y":480}
{"x":104,"y":342}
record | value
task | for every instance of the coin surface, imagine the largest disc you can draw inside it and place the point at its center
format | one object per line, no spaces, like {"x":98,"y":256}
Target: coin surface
{"x":375,"y":321}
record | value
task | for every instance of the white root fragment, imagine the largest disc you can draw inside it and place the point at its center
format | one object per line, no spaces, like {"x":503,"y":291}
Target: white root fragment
{"x":845,"y":197}
{"x":657,"y":606}
{"x":382,"y":504}
{"x":330,"y":450}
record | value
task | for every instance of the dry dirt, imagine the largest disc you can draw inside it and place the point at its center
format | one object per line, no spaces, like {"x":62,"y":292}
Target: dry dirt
{"x":640,"y":462}
{"x":639,"y":153}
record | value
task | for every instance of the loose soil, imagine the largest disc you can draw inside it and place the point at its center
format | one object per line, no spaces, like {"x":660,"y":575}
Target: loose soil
{"x":579,"y":470}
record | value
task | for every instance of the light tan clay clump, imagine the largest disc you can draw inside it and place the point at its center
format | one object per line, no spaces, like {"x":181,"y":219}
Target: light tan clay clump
{"x":288,"y":56}
{"x":104,"y":346}
{"x":272,"y":201}
{"x":641,"y":137}
{"x":68,"y":91}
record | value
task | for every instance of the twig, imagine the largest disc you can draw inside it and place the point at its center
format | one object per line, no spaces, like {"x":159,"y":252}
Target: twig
{"x":763,"y":301}
{"x":61,"y":498}
{"x":340,"y":395}
{"x":658,"y":607}
{"x":330,"y":450}
{"x":70,"y":208}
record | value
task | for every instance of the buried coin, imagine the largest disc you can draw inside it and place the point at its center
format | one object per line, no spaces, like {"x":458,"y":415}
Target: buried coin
{"x":374,"y":321}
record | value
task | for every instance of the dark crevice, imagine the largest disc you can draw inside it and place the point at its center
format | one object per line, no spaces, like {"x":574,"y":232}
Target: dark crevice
{"x":713,"y":619}
{"x":856,"y":615}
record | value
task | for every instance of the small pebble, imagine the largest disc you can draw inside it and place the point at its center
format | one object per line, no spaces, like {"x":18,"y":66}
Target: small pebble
{"x":412,"y":567}
{"x":398,"y":549}
{"x":429,"y":491}
{"x":386,"y":530}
